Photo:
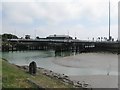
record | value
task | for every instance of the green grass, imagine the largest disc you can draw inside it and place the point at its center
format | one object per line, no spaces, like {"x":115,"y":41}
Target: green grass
{"x":14,"y":77}
{"x":0,"y":74}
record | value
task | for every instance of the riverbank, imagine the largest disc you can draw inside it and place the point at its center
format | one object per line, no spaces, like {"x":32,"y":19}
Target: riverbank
{"x":88,"y":67}
{"x":0,"y":74}
{"x":13,"y":77}
{"x":62,"y":77}
{"x":17,"y":77}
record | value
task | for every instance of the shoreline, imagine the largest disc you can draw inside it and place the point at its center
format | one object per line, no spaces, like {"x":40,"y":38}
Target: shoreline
{"x":81,"y":81}
{"x":22,"y":79}
{"x":62,"y":77}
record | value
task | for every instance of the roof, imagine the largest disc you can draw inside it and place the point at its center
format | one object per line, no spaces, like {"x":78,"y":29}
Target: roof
{"x":58,"y":35}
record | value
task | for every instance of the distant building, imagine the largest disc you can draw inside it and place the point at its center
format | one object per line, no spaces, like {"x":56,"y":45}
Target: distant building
{"x":27,"y":36}
{"x":59,"y":37}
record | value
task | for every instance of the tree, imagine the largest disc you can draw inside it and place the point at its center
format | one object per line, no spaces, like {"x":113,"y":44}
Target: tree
{"x":37,"y":37}
{"x":9,"y":36}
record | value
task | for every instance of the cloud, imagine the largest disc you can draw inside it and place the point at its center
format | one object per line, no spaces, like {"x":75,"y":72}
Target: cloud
{"x":55,"y":12}
{"x":61,"y":16}
{"x":50,"y":12}
{"x":16,"y":13}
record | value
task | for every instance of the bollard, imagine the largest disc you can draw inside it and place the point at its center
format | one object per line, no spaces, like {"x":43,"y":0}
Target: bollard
{"x":32,"y":68}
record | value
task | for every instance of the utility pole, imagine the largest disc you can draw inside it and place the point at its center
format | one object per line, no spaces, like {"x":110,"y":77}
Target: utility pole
{"x":109,"y":21}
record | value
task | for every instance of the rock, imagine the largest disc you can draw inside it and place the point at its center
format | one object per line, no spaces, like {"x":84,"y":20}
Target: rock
{"x":85,"y":84}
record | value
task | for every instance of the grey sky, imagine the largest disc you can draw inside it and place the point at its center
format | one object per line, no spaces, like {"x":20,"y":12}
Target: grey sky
{"x":81,"y":18}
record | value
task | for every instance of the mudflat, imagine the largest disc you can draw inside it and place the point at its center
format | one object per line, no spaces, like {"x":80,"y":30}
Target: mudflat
{"x":98,"y":81}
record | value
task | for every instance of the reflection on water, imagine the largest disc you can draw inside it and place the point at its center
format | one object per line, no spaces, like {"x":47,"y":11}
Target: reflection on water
{"x":65,"y":53}
{"x":69,"y":63}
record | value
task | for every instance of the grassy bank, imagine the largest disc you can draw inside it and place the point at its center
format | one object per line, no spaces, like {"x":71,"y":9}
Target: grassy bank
{"x":0,"y":73}
{"x":14,"y":77}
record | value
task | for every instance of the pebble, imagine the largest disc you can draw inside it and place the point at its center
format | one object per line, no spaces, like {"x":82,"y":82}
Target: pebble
{"x":64,"y":78}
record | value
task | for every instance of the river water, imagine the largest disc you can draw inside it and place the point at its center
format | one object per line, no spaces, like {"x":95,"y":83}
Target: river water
{"x":79,"y":64}
{"x":100,"y":70}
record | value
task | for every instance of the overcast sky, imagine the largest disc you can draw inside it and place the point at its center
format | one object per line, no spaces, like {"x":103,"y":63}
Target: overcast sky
{"x":81,"y":18}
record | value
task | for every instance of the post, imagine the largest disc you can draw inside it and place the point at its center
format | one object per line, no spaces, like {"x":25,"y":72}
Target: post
{"x":32,"y":68}
{"x":109,"y":22}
